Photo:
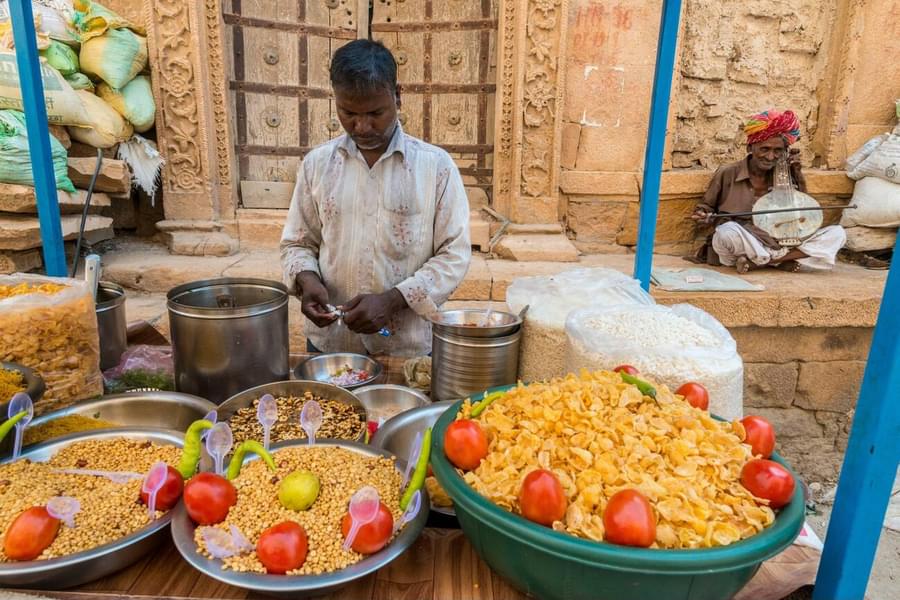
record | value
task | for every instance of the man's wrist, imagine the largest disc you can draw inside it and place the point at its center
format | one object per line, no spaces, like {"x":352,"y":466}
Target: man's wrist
{"x":398,"y":302}
{"x":304,"y":278}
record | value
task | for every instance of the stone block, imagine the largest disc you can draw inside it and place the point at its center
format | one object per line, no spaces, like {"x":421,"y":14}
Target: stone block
{"x":831,"y":386}
{"x":790,"y":422}
{"x":599,"y":183}
{"x":837,"y":426}
{"x":150,"y":268}
{"x":262,"y":231}
{"x":691,"y":182}
{"x":594,"y":150}
{"x":672,"y":223}
{"x":23,"y":233}
{"x":597,"y":221}
{"x":769,"y":385}
{"x":477,"y":284}
{"x":21,"y":199}
{"x":200,"y":243}
{"x":536,"y":247}
{"x":822,"y":344}
{"x":265,"y":264}
{"x":814,"y":459}
{"x":479,"y":231}
{"x":62,"y":135}
{"x":114,"y":175}
{"x":478,"y":198}
{"x":20,"y":262}
{"x":828,"y":182}
{"x":600,"y":247}
{"x":571,"y":135}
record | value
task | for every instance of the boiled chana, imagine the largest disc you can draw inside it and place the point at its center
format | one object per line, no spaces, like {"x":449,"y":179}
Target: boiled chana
{"x":340,"y":421}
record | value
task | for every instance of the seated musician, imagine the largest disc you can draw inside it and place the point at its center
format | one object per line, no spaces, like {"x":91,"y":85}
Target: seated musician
{"x":735,"y":188}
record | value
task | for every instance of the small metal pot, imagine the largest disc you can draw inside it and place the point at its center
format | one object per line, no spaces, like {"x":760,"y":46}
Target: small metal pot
{"x":111,"y":324}
{"x":462,"y":366}
{"x":470,"y":322}
{"x":322,"y":367}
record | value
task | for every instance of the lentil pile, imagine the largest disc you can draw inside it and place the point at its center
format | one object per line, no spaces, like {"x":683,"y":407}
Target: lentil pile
{"x":64,"y":426}
{"x":11,"y":382}
{"x":341,"y":473}
{"x":339,"y":421}
{"x":109,"y":511}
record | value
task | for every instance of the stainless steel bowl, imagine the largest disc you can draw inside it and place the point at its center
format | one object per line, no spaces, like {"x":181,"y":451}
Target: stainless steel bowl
{"x":397,"y":434}
{"x":387,"y":400}
{"x":323,"y":366}
{"x":82,"y":567}
{"x":34,"y":383}
{"x":470,"y":322}
{"x":293,"y":388}
{"x":297,"y":586}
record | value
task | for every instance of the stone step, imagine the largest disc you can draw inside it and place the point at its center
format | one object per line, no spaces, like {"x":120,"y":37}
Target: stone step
{"x":21,"y":199}
{"x":23,"y":233}
{"x":114,"y":175}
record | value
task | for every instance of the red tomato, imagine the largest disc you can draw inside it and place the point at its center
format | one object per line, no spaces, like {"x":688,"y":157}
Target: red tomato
{"x":207,"y":498}
{"x":627,"y":369}
{"x":542,"y":498}
{"x":31,"y":532}
{"x":169,"y":493}
{"x":282,"y":547}
{"x":767,"y":479}
{"x":628,"y":520}
{"x":760,"y":436}
{"x":465,"y":444}
{"x":695,"y":395}
{"x":372,"y":536}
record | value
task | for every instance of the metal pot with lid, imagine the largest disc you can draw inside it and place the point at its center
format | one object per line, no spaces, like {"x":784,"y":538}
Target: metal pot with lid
{"x":228,"y":335}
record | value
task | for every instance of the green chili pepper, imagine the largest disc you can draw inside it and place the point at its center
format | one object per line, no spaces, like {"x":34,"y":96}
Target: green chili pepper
{"x":418,"y":478}
{"x":10,"y":423}
{"x":642,"y":386}
{"x":479,"y":408}
{"x":234,"y":467}
{"x":190,"y":455}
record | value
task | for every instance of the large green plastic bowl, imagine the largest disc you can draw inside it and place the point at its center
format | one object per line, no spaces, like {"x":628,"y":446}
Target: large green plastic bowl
{"x":551,"y":565}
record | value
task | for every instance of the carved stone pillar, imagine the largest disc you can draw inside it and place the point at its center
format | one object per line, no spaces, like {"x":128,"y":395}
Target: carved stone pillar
{"x":530,"y":88}
{"x":193,"y":125}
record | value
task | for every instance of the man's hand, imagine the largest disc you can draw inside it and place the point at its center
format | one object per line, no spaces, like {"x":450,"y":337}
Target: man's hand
{"x":702,"y":215}
{"x":796,"y":168}
{"x":314,"y":299}
{"x":369,"y":313}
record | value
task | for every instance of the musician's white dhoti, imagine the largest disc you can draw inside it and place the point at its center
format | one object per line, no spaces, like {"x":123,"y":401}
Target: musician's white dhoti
{"x":731,"y":241}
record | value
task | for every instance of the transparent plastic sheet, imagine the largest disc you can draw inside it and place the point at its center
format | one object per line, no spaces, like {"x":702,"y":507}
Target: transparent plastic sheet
{"x":718,"y":367}
{"x":54,"y":334}
{"x":550,"y":299}
{"x":142,"y":367}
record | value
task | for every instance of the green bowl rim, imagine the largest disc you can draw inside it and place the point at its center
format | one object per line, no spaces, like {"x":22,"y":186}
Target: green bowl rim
{"x":750,"y":551}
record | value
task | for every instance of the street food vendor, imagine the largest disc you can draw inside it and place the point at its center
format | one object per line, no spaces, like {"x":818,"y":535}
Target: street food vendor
{"x":735,"y":188}
{"x":378,"y":226}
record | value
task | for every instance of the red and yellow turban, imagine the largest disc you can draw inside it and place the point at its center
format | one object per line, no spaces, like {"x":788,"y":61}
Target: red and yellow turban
{"x":772,"y":123}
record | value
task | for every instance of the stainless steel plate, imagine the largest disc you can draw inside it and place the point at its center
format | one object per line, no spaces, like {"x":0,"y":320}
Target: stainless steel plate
{"x":82,"y":567}
{"x":387,"y":400}
{"x":323,"y":366}
{"x":297,"y":586}
{"x":397,"y":434}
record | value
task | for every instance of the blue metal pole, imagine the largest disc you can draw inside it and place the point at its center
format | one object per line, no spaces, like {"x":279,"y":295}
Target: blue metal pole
{"x":656,"y":139}
{"x":870,"y":463}
{"x":38,"y":136}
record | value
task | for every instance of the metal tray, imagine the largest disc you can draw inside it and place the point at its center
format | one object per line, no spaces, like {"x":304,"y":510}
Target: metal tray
{"x":82,"y":567}
{"x":293,"y":388}
{"x":34,"y":383}
{"x":397,"y":433}
{"x":301,"y":586}
{"x":321,"y":367}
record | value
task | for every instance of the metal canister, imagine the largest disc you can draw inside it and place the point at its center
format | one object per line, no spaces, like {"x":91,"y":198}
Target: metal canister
{"x":228,"y":335}
{"x":462,"y":366}
{"x":111,"y":324}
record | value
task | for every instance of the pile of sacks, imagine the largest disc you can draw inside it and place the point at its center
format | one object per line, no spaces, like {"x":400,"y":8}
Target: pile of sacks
{"x":94,"y":70}
{"x":872,"y":226}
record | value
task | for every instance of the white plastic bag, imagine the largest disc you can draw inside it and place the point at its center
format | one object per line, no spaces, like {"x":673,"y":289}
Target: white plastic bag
{"x":550,"y":299}
{"x":883,"y":160}
{"x":55,"y":19}
{"x":878,"y":204}
{"x":668,"y":345}
{"x":869,"y":239}
{"x":55,"y":334}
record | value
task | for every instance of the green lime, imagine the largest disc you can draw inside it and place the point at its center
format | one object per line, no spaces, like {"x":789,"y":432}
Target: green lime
{"x":298,"y":490}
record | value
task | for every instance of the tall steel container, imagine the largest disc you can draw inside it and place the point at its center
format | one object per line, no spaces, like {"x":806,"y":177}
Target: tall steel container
{"x":228,"y":335}
{"x":462,"y":366}
{"x":111,"y":324}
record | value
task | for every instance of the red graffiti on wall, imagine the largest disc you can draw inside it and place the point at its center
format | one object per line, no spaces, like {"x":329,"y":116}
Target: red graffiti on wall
{"x":597,"y":24}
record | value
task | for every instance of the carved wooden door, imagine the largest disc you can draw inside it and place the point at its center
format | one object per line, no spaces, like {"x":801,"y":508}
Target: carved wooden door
{"x":445,"y":50}
{"x":280,"y":88}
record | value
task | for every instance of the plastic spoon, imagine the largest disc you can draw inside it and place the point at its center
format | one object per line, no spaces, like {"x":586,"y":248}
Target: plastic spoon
{"x":20,"y":402}
{"x":414,"y":453}
{"x":64,"y":508}
{"x":487,"y":316}
{"x":154,"y":481}
{"x":267,"y":413}
{"x":411,"y":511}
{"x":92,"y":272}
{"x":218,"y":444}
{"x":311,"y":420}
{"x":114,"y":476}
{"x":241,"y":543}
{"x":212,"y":416}
{"x":363,"y":510}
{"x":219,"y":543}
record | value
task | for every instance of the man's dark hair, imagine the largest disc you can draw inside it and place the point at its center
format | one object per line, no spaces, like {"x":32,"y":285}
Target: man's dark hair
{"x":364,"y":66}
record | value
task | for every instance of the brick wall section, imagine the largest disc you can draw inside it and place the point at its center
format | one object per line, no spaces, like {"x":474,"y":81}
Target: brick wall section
{"x":805,"y":381}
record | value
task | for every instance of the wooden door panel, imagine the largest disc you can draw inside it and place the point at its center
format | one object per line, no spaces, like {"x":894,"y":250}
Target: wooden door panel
{"x":399,"y":11}
{"x":274,"y":168}
{"x":411,"y":114}
{"x":455,"y":119}
{"x":456,"y":56}
{"x":272,"y":121}
{"x":271,"y":57}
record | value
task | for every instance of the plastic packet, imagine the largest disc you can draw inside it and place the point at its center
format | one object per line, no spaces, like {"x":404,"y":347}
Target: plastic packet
{"x":142,"y":367}
{"x":52,"y":329}
{"x":550,"y":299}
{"x":668,"y":345}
